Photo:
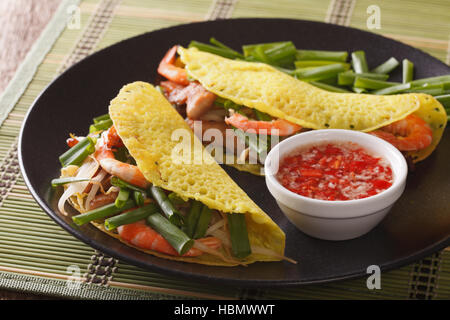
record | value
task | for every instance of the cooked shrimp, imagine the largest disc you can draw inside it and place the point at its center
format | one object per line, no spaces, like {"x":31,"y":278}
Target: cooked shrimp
{"x":409,"y":134}
{"x":143,"y":236}
{"x":124,"y":171}
{"x":112,"y":139}
{"x":72,"y":141}
{"x":168,"y":69}
{"x":279,"y":127}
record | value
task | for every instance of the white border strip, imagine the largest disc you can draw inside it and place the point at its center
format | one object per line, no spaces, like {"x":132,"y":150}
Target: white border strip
{"x":35,"y":56}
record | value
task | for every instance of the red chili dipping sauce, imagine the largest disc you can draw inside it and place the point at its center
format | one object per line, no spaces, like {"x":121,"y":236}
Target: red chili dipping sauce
{"x":335,"y":171}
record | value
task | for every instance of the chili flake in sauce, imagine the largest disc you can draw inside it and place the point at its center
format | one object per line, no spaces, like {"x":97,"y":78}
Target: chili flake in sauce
{"x":335,"y":171}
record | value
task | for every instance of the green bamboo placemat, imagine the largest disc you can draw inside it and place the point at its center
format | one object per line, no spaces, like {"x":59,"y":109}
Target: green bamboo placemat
{"x":38,"y":256}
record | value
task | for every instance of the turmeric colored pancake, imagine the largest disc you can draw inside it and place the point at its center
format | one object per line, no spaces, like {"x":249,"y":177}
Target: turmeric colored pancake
{"x":260,"y":86}
{"x":156,"y":135}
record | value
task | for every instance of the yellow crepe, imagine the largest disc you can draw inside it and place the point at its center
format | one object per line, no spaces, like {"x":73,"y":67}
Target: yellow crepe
{"x":260,"y":86}
{"x":154,"y":132}
{"x":432,"y":111}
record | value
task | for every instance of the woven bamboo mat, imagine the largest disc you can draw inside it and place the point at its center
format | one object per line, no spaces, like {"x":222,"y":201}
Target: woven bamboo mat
{"x":38,"y":256}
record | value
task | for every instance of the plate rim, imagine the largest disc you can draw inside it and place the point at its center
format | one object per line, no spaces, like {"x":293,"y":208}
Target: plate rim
{"x":393,"y":264}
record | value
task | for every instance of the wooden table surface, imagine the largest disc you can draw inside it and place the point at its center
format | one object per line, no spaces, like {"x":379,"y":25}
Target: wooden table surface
{"x":21,"y":22}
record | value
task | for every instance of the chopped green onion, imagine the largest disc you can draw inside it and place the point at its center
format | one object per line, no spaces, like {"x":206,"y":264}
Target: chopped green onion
{"x":177,"y":238}
{"x":359,"y":62}
{"x":319,"y":73}
{"x":131,"y":216}
{"x":240,"y":244}
{"x":262,"y":116}
{"x":250,"y":48}
{"x":102,"y":212}
{"x":258,"y":143}
{"x":213,"y":49}
{"x":176,"y":199}
{"x":166,"y":206}
{"x":328,"y":87}
{"x":366,"y":83}
{"x":100,"y":126}
{"x":432,"y":89}
{"x":122,"y":197}
{"x":317,"y":63}
{"x":444,"y":100}
{"x":117,"y":182}
{"x":192,"y":218}
{"x":287,"y":71}
{"x":261,"y":55}
{"x":359,"y":90}
{"x":322,"y":55}
{"x":348,"y":77}
{"x":431,"y":80}
{"x":387,"y":66}
{"x":407,"y":71}
{"x":331,"y":81}
{"x":66,"y":180}
{"x":394,"y":89}
{"x":102,"y":118}
{"x":79,"y":152}
{"x":280,"y":54}
{"x":219,"y":44}
{"x":203,"y":223}
{"x":139,"y":197}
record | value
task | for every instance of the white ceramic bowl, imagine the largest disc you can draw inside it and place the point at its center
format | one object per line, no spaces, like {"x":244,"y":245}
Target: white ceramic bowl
{"x":336,"y":220}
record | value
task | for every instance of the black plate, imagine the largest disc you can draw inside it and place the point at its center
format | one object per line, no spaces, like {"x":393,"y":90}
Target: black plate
{"x":418,"y":225}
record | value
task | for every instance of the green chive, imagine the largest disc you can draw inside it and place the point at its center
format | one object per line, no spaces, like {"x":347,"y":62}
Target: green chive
{"x":261,"y":56}
{"x":102,"y":118}
{"x":177,"y":238}
{"x":63,"y":181}
{"x":319,"y":73}
{"x":322,"y":55}
{"x":139,"y":197}
{"x":192,"y":218}
{"x":213,"y":49}
{"x":203,"y":222}
{"x":394,"y":89}
{"x":317,"y":63}
{"x":102,"y":212}
{"x":373,"y":84}
{"x":79,"y":152}
{"x":328,"y":87}
{"x":408,"y":71}
{"x":359,"y":62}
{"x":431,"y":80}
{"x":262,"y":116}
{"x":348,"y":77}
{"x":100,"y":126}
{"x":176,"y":199}
{"x":433,"y":89}
{"x":131,"y":216}
{"x":257,"y":142}
{"x":117,"y":182}
{"x":219,"y":44}
{"x":444,"y":100}
{"x":166,"y":206}
{"x":122,"y":197}
{"x":240,"y":244}
{"x":387,"y":66}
